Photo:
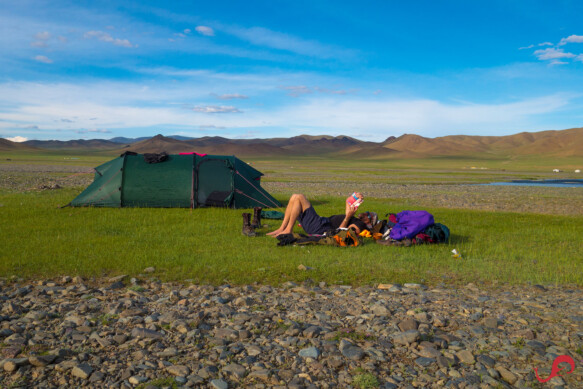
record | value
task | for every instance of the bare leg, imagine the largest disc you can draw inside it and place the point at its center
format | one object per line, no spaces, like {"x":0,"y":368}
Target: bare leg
{"x":297,"y":204}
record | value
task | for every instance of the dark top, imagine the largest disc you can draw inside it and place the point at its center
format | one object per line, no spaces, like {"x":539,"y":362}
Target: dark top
{"x":336,"y":220}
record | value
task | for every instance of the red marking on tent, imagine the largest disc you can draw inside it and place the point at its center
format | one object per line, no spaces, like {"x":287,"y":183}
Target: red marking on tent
{"x":200,"y":155}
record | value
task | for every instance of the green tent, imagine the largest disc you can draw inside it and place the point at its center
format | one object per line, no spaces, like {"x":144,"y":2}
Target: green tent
{"x":187,"y":181}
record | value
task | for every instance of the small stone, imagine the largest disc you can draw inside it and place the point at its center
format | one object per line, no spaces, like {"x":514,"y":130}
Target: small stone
{"x":149,"y":269}
{"x":116,"y":285}
{"x":414,"y":286}
{"x":309,"y":352}
{"x":41,"y":360}
{"x":486,"y":360}
{"x":219,"y":384}
{"x":236,"y":370}
{"x":507,"y":375}
{"x":82,"y":371}
{"x":491,"y":322}
{"x":355,"y":353}
{"x":407,"y":337}
{"x":312,"y":332}
{"x":136,"y":380}
{"x":424,"y":362}
{"x":262,"y":374}
{"x":380,"y":310}
{"x":466,"y":357}
{"x":429,"y":352}
{"x":146,"y":333}
{"x":408,"y":324}
{"x":178,"y":370}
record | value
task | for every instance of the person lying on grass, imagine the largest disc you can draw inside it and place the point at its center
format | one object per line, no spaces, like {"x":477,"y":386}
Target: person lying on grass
{"x":300,"y":209}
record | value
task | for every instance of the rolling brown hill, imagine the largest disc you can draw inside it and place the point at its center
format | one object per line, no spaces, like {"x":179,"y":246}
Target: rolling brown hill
{"x":209,"y":145}
{"x":564,"y":143}
{"x":7,"y":145}
{"x":78,"y":144}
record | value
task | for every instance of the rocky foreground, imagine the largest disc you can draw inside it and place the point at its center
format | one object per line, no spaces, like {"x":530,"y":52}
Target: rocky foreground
{"x":122,"y":333}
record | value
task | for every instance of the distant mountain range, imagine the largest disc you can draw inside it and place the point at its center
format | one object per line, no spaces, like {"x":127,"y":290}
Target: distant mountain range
{"x":549,"y":143}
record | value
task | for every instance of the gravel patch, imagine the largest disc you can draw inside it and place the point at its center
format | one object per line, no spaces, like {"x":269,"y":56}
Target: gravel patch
{"x":79,"y":333}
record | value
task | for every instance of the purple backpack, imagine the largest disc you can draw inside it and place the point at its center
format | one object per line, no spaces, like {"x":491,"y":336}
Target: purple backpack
{"x":410,"y":223}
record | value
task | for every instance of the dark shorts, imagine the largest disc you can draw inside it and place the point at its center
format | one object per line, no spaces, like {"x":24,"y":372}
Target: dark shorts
{"x":312,"y":223}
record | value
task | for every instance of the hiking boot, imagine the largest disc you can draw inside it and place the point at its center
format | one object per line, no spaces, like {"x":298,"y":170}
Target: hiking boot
{"x":247,"y":229}
{"x":256,"y":223}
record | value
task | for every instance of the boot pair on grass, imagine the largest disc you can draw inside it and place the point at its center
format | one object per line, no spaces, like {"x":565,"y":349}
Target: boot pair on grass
{"x":250,"y":226}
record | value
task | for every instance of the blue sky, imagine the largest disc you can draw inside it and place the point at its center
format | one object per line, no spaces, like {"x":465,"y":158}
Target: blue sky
{"x":253,"y":69}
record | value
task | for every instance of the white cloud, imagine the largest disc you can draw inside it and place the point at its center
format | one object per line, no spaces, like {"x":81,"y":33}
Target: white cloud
{"x":552,"y":53}
{"x":296,"y":90}
{"x":425,"y":117}
{"x":540,"y":44}
{"x":187,"y":31}
{"x":105,"y":37}
{"x":17,"y":139}
{"x":204,"y":30}
{"x":277,"y":40}
{"x":43,"y":36}
{"x":43,"y":59}
{"x":216,"y":109}
{"x":232,"y":96}
{"x":558,"y":62}
{"x":571,"y":39}
{"x":123,"y":106}
{"x":211,"y":127}
{"x":93,"y":130}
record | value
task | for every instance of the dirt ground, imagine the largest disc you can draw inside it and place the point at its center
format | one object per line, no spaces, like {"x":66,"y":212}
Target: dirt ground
{"x":543,"y":200}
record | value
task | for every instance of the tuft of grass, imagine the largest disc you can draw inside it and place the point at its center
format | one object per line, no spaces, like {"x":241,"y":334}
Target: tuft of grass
{"x":349,"y":333}
{"x":365,"y":380}
{"x":137,"y":288}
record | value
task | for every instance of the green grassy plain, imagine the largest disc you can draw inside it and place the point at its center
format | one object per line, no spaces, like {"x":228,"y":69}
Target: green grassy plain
{"x":39,"y":239}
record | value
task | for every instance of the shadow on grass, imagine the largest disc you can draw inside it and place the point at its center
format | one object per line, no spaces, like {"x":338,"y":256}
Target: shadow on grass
{"x":459,"y":239}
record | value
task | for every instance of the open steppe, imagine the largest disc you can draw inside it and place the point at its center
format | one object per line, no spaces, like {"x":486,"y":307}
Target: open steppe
{"x":156,"y":298}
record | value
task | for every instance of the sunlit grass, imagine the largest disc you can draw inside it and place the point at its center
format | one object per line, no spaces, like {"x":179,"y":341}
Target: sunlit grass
{"x":38,"y":239}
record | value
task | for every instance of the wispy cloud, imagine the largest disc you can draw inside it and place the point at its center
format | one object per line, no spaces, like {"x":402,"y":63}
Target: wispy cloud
{"x":552,"y":53}
{"x":205,"y":30}
{"x":93,"y":130}
{"x":264,"y":37}
{"x":571,"y":39}
{"x":296,"y":90}
{"x":216,"y":109}
{"x":105,"y":37}
{"x":539,"y":45}
{"x":41,"y":39}
{"x":211,"y":127}
{"x":231,"y":96}
{"x":556,"y":55}
{"x":43,"y":59}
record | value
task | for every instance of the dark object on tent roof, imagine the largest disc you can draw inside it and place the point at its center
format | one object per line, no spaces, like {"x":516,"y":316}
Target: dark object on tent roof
{"x":183,"y":181}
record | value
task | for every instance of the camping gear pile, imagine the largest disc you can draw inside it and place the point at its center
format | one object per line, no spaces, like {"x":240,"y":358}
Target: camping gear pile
{"x":411,"y":227}
{"x":182,"y":181}
{"x":405,"y":228}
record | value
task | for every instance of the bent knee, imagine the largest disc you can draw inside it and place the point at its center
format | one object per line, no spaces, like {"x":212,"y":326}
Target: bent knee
{"x":298,"y":196}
